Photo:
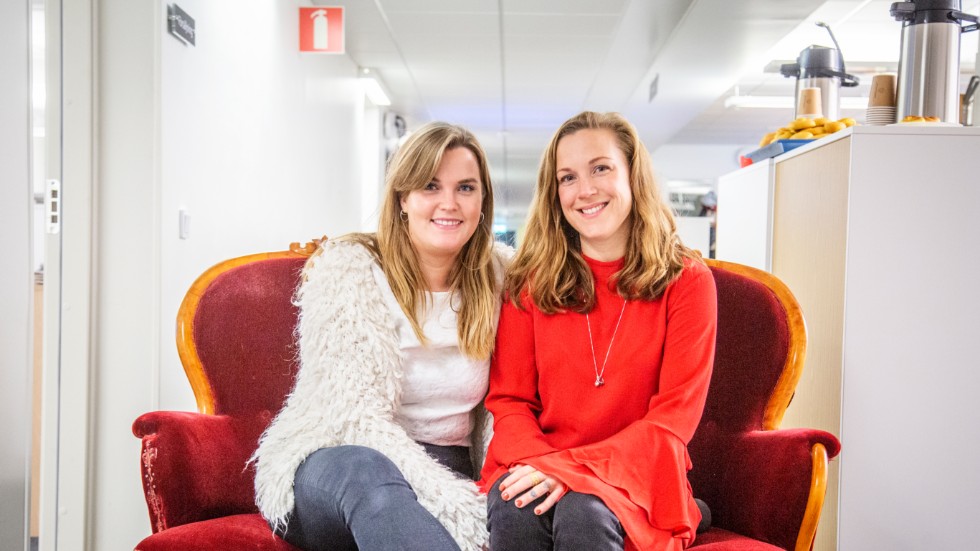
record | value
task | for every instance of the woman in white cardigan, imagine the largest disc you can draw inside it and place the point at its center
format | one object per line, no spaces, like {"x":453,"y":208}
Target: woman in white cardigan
{"x":378,"y":443}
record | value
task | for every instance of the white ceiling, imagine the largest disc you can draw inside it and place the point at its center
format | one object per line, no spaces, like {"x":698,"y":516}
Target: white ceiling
{"x":513,"y":70}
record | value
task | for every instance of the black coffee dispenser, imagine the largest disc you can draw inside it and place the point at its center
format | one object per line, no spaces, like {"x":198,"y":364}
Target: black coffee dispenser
{"x":929,"y":66}
{"x":820,"y":67}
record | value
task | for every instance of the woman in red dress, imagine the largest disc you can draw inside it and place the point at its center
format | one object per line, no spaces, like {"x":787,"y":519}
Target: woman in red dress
{"x":603,"y":357}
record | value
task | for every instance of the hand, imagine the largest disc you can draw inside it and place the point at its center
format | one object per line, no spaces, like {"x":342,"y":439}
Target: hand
{"x":530,"y":484}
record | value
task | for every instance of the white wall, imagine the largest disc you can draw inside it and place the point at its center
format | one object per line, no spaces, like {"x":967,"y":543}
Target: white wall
{"x":127,"y":270}
{"x":259,"y":143}
{"x":695,"y":162}
{"x":15,"y":272}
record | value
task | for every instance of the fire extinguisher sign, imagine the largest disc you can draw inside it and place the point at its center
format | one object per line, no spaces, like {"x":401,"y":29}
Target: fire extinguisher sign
{"x":321,"y":29}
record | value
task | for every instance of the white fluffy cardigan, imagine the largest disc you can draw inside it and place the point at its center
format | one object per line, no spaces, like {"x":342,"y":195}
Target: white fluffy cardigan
{"x":347,"y":391}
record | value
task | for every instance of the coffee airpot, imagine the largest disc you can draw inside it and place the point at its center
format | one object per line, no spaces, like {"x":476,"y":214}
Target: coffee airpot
{"x":823,"y":68}
{"x":929,"y":66}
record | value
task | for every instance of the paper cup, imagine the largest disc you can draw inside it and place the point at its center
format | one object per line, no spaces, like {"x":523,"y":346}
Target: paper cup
{"x":810,"y":103}
{"x":880,"y":116}
{"x":882,"y":92}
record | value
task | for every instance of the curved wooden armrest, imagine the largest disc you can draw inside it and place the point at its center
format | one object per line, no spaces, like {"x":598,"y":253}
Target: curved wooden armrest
{"x":767,"y":485}
{"x":814,"y":503}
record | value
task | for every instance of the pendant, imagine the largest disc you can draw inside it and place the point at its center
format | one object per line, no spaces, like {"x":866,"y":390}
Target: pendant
{"x":599,"y":381}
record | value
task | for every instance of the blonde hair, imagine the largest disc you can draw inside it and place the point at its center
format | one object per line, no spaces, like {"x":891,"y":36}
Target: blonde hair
{"x":472,"y":276}
{"x":549,"y":266}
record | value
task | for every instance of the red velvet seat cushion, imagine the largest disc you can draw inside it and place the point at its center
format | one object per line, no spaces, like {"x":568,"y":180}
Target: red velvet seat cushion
{"x":239,"y":532}
{"x":717,"y":539}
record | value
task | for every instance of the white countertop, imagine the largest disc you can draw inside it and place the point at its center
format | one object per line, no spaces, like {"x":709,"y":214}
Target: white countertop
{"x":891,"y":130}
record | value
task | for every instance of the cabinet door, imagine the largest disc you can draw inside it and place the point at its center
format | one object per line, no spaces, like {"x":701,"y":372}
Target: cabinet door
{"x":808,"y":253}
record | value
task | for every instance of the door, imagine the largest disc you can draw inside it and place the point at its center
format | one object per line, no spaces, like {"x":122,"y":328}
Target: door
{"x":30,"y":241}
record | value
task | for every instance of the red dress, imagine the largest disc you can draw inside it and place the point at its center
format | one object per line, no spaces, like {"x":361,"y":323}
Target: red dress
{"x":626,"y":441}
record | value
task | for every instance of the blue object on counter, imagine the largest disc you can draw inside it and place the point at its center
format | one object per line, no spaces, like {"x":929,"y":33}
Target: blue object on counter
{"x":777,"y":147}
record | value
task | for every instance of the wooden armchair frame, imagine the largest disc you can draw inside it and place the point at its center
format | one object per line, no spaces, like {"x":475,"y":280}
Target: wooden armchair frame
{"x":785,"y":388}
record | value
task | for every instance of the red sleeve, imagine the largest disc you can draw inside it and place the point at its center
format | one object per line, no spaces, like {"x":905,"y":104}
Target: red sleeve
{"x":513,"y":398}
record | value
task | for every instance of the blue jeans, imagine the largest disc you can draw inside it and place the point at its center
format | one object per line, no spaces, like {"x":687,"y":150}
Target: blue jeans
{"x":350,"y":498}
{"x":577,"y":522}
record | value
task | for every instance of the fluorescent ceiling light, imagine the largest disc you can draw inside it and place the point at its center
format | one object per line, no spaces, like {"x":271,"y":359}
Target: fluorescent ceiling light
{"x":372,"y":87}
{"x":786,"y":102}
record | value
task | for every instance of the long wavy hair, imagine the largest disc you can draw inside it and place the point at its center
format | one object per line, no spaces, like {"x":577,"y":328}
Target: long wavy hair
{"x":471,"y":278}
{"x":549,"y":268}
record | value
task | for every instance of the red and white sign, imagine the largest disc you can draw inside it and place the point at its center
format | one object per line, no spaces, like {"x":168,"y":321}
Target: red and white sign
{"x":321,"y":29}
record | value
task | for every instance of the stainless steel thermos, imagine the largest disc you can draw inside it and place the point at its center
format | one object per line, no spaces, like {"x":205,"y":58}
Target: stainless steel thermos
{"x":929,"y":65}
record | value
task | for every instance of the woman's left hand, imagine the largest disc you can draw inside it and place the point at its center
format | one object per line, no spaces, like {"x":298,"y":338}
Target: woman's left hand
{"x":530,"y":484}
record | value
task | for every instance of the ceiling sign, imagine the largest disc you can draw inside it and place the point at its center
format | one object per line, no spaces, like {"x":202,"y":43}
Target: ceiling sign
{"x":321,"y":29}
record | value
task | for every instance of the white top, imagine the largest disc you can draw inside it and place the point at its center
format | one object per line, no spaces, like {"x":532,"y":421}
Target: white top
{"x":440,"y":385}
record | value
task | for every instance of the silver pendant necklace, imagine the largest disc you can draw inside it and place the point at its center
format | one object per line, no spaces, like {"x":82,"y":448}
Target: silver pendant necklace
{"x":599,"y":381}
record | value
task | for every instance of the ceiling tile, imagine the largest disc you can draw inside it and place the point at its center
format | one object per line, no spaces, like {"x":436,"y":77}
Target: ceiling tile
{"x":565,"y":6}
{"x":550,"y":26}
{"x":440,"y":25}
{"x":446,"y":6}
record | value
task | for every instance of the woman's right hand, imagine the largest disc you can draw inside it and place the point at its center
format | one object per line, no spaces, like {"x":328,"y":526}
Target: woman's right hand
{"x":530,"y":484}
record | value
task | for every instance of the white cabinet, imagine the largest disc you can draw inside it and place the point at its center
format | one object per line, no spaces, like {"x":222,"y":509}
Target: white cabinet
{"x":744,"y":219}
{"x":876,"y":232}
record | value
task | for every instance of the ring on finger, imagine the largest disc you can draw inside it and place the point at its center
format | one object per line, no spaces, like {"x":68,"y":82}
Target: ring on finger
{"x":533,"y":494}
{"x":535,"y":479}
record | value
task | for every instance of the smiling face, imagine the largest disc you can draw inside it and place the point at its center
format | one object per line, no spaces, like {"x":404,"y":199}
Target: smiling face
{"x":443,"y":215}
{"x":594,"y":191}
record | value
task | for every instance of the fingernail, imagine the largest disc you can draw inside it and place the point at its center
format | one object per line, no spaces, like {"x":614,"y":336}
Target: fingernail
{"x":505,"y":495}
{"x":537,"y":511}
{"x":520,"y":503}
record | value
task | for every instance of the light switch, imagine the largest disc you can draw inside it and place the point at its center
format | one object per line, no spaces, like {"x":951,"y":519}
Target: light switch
{"x":185,"y":223}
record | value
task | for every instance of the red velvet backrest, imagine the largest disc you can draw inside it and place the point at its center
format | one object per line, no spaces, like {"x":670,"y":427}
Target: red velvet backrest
{"x":245,"y":322}
{"x":244,"y":334}
{"x":752,"y":344}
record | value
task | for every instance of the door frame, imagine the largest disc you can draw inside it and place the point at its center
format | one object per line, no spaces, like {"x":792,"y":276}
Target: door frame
{"x":67,"y":389}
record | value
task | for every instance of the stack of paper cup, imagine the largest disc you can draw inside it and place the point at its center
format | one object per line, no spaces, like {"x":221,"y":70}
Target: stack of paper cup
{"x":809,"y":104}
{"x":881,"y":101}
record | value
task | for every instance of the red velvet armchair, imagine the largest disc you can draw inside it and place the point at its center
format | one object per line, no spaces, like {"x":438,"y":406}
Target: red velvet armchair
{"x":765,"y":486}
{"x":235,"y":339}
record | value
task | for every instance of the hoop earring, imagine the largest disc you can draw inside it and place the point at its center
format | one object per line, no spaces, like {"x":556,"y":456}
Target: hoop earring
{"x":482,"y":216}
{"x":404,"y":216}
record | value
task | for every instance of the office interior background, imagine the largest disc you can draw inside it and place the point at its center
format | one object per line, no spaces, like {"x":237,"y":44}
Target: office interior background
{"x":166,"y":157}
